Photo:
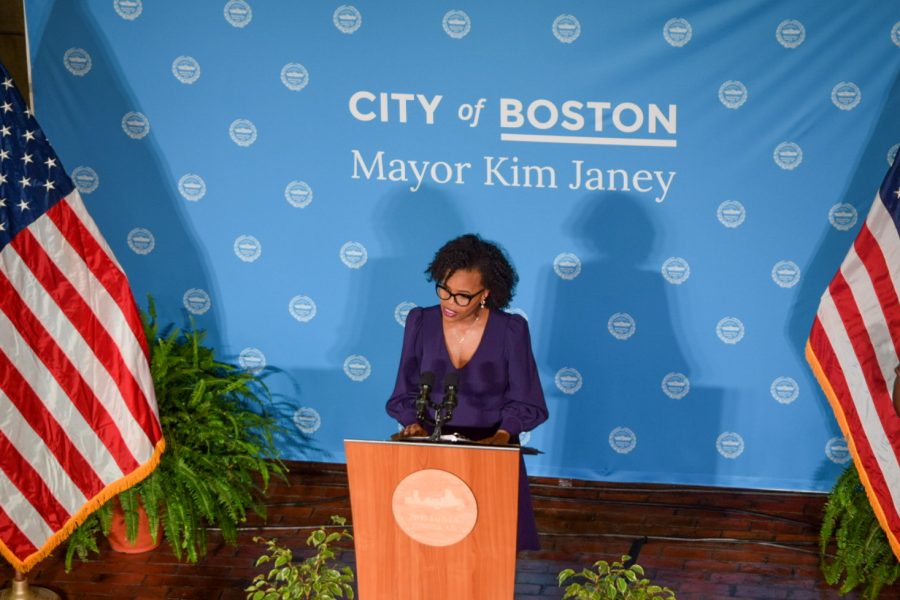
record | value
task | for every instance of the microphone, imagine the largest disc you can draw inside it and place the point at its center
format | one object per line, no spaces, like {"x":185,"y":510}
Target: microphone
{"x":426,"y":381}
{"x":444,"y":412}
{"x":451,"y":383}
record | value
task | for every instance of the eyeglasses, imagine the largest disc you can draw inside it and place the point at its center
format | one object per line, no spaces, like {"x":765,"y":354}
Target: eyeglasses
{"x":460,"y":299}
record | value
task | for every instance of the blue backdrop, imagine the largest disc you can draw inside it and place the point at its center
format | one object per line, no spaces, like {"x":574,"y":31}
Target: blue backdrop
{"x":676,"y":186}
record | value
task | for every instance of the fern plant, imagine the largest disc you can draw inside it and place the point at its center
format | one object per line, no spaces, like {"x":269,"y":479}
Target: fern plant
{"x":613,"y":582}
{"x":862,"y":555}
{"x":316,"y":578}
{"x":220,"y":452}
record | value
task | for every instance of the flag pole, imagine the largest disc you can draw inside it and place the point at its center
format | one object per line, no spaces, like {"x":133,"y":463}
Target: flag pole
{"x":19,"y":590}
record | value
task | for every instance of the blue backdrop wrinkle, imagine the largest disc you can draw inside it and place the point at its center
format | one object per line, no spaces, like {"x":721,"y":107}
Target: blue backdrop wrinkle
{"x":670,"y":266}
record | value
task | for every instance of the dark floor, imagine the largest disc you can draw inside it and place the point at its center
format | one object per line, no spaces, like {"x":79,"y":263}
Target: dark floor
{"x":704,"y":543}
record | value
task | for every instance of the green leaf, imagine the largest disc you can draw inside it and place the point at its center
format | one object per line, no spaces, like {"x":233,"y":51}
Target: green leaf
{"x":862,"y":557}
{"x":318,"y":576}
{"x":219,"y":432}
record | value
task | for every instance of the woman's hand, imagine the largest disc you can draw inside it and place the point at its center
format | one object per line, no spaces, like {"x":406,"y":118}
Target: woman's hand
{"x":413,"y":430}
{"x":498,"y":439}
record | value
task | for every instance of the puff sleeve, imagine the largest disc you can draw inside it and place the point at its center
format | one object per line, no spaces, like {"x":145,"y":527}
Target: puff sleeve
{"x":402,"y":403}
{"x":523,"y":407}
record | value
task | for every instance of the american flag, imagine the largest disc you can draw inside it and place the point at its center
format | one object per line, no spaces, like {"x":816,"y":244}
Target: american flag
{"x":854,"y":347}
{"x":78,"y":419}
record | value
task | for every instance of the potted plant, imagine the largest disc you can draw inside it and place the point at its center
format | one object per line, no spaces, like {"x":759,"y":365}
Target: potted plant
{"x":612,"y":582}
{"x":862,"y":556}
{"x":220,"y":452}
{"x":317,"y":577}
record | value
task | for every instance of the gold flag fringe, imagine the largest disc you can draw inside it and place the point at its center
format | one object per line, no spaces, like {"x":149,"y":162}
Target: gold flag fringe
{"x":813,"y":361}
{"x":110,"y":491}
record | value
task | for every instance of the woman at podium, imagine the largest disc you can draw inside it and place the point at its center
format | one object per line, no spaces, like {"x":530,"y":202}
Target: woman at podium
{"x":498,"y":391}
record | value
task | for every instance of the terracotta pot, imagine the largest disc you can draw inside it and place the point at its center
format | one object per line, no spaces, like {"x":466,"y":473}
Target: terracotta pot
{"x":118,"y":538}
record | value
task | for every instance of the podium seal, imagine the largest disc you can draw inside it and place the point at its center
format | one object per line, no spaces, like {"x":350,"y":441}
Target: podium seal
{"x":434,"y":507}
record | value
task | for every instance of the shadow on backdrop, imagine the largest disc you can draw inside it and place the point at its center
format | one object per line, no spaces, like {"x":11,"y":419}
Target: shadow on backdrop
{"x":296,"y":439}
{"x":135,"y":184}
{"x":621,"y":378}
{"x":411,"y":226}
{"x":833,"y":247}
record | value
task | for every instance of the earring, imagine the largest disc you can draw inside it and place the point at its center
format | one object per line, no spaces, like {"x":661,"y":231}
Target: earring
{"x":482,"y":303}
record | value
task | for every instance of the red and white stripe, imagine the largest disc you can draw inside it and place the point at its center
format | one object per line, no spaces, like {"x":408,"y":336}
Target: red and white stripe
{"x":77,"y":408}
{"x":856,"y":340}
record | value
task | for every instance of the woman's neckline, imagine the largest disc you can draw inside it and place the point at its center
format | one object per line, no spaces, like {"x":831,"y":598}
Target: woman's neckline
{"x":486,"y":314}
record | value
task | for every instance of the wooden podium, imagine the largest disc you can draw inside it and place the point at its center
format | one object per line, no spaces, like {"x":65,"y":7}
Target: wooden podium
{"x":433,"y":521}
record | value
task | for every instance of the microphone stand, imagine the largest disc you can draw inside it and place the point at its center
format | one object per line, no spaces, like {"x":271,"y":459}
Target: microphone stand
{"x":444,"y":411}
{"x":424,"y":398}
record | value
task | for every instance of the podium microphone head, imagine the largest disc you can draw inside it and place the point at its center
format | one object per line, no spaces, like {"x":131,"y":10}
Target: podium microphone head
{"x":451,"y":380}
{"x":426,"y":379}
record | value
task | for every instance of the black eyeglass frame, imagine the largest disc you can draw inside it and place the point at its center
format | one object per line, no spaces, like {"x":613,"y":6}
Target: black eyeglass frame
{"x":438,"y":287}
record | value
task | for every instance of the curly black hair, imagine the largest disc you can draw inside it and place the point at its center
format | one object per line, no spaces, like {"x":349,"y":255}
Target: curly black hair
{"x":470,"y":252}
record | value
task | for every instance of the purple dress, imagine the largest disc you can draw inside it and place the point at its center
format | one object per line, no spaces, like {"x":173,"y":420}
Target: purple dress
{"x":499,"y":388}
